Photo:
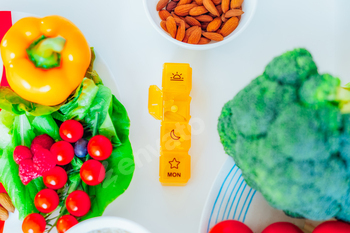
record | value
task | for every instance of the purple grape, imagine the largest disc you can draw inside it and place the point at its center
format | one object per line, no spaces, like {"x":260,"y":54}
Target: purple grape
{"x":80,"y":148}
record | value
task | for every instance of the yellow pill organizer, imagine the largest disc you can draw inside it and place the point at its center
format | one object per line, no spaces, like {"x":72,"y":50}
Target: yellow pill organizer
{"x":171,"y":105}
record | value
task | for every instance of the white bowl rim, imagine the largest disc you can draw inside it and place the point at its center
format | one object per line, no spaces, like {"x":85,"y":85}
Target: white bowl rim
{"x":107,"y":222}
{"x":199,"y":47}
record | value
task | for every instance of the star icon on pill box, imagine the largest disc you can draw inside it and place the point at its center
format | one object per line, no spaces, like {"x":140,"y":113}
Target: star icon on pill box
{"x":174,"y":164}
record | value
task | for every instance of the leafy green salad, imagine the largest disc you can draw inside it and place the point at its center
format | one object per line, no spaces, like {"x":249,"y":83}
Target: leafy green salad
{"x":99,"y":111}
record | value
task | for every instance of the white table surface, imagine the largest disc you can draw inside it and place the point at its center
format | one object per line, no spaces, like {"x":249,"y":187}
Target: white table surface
{"x":135,"y":52}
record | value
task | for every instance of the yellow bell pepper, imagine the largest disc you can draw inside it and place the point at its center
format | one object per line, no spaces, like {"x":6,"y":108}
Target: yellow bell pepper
{"x":45,"y":58}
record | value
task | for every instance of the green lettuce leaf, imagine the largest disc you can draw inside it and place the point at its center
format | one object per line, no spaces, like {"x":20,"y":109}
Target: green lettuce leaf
{"x":6,"y":122}
{"x":79,"y":105}
{"x":46,"y":125}
{"x":12,"y":102}
{"x":119,"y":166}
{"x":99,"y":117}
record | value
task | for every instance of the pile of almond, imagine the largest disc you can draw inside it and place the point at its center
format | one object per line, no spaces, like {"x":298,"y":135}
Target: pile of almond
{"x":6,"y":206}
{"x":199,"y":21}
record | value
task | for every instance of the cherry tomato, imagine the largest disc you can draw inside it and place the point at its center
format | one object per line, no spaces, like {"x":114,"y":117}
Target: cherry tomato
{"x":65,"y":223}
{"x":280,"y":227}
{"x":56,"y":178}
{"x":34,"y":223}
{"x":100,"y":147}
{"x":230,"y":226}
{"x":46,"y":201}
{"x":333,"y":227}
{"x":63,"y":152}
{"x":92,"y":172}
{"x":71,"y":131}
{"x":78,"y":203}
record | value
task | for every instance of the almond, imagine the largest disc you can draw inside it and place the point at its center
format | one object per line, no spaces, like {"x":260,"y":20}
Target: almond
{"x":225,"y":5}
{"x":199,"y":2}
{"x":161,"y":4}
{"x":214,"y":25}
{"x":188,"y":33}
{"x":229,"y":26}
{"x":216,"y":2}
{"x":184,"y":10}
{"x":171,"y":6}
{"x":199,"y":10}
{"x":4,"y":214}
{"x":6,"y":202}
{"x":204,"y":18}
{"x":195,"y":36}
{"x":218,"y":31}
{"x":203,"y":40}
{"x":183,"y":2}
{"x":233,"y":12}
{"x":213,"y":36}
{"x":218,"y":7}
{"x":163,"y":14}
{"x":171,"y":26}
{"x":163,"y":25}
{"x":211,"y":7}
{"x":192,"y":21}
{"x":223,"y":18}
{"x":181,"y":31}
{"x":187,"y":26}
{"x":236,"y":3}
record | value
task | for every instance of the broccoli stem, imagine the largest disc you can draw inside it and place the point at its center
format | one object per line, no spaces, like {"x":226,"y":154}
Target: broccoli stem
{"x":45,"y":52}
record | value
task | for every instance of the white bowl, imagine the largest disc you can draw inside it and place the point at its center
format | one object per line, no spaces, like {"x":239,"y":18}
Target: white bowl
{"x":100,"y":223}
{"x":249,"y":7}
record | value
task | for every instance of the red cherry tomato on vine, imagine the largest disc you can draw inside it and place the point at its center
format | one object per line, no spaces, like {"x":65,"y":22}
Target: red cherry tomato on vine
{"x":71,"y":131}
{"x":63,"y":152}
{"x":46,"y":201}
{"x":92,"y":172}
{"x":56,"y":178}
{"x":34,"y":223}
{"x":333,"y":227}
{"x":230,"y":226}
{"x":282,"y":227}
{"x":78,"y":203}
{"x":100,"y":147}
{"x":65,"y":223}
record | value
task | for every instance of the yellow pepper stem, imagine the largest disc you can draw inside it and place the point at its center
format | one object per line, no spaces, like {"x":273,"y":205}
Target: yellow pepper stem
{"x":45,"y":52}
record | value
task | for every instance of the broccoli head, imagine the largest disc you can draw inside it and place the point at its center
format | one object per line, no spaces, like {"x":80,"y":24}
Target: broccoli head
{"x":289,"y":133}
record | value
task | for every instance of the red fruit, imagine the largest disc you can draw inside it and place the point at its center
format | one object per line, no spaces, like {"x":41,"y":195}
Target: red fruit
{"x":27,"y":172}
{"x":56,"y":178}
{"x":21,"y":153}
{"x":63,"y":152}
{"x":34,"y":223}
{"x":43,"y":160}
{"x":92,"y":172}
{"x":46,"y":201}
{"x":44,"y":141}
{"x":71,"y":131}
{"x":65,"y":223}
{"x":78,"y":203}
{"x":230,"y":226}
{"x":284,"y":227}
{"x":100,"y":147}
{"x":333,"y":227}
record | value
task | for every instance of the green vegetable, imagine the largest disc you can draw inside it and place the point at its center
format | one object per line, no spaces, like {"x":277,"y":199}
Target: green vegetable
{"x":289,"y":133}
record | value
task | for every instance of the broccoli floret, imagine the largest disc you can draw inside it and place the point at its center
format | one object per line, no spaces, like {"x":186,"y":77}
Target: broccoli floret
{"x":288,"y":135}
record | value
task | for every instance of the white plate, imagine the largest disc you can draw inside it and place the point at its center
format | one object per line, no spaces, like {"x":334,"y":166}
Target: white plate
{"x":231,"y":198}
{"x":107,"y":222}
{"x":13,"y":225}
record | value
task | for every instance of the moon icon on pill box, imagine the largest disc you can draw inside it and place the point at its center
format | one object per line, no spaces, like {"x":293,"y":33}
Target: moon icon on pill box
{"x":173,"y":135}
